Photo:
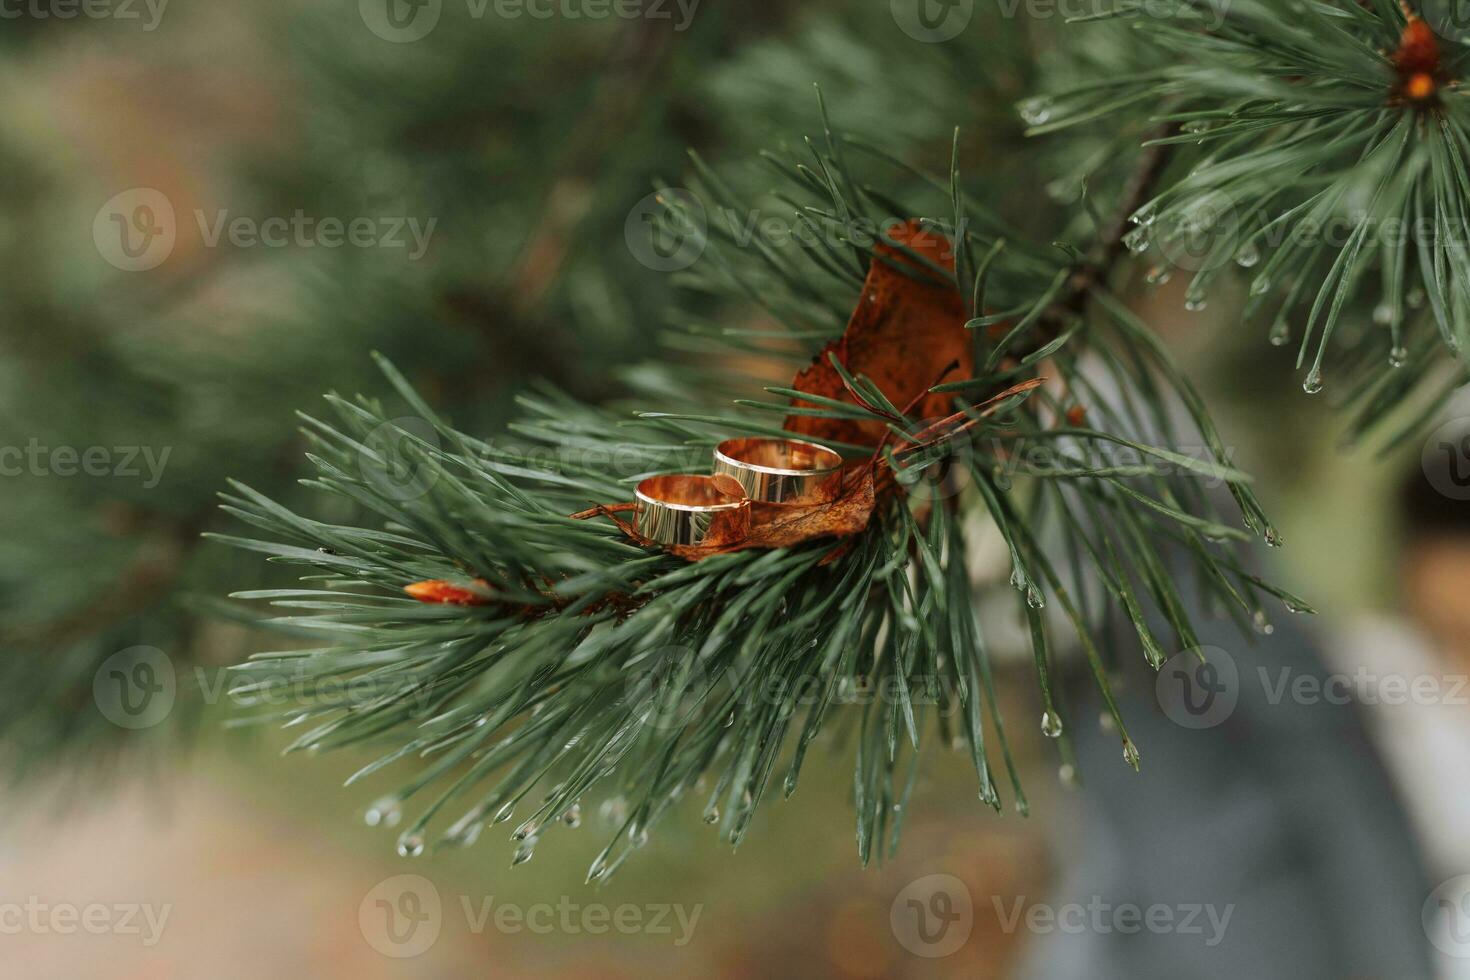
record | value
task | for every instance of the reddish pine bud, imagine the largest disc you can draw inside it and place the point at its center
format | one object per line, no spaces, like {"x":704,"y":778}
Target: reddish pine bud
{"x":1417,"y":62}
{"x":440,"y":590}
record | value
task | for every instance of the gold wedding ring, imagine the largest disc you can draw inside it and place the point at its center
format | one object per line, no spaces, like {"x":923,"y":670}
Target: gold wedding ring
{"x":781,"y":471}
{"x":678,"y":508}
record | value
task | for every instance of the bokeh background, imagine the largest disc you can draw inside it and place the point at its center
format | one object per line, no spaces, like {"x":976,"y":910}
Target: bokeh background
{"x":528,"y":141}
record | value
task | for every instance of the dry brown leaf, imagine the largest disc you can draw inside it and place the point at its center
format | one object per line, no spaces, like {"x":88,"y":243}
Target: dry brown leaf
{"x":906,"y":335}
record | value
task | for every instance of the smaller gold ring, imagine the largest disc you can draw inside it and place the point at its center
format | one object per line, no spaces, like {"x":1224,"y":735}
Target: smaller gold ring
{"x":781,"y":471}
{"x":680,"y":508}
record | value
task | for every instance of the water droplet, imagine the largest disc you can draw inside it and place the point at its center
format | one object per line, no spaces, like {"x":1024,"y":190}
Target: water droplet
{"x":788,"y":786}
{"x":525,"y":830}
{"x":1195,"y":127}
{"x":524,"y":851}
{"x":1398,"y":357}
{"x":1034,"y":598}
{"x":1137,"y":240}
{"x":1383,"y":314}
{"x":410,"y":845}
{"x":1313,"y":383}
{"x":1018,"y":579}
{"x":1248,"y":255}
{"x":711,"y":814}
{"x":1068,"y":774}
{"x":1262,"y":624}
{"x":1130,"y":753}
{"x":639,"y":837}
{"x":1415,"y":298}
{"x":1145,"y":215}
{"x":1273,"y":537}
{"x":1036,"y":111}
{"x":387,"y":812}
{"x":1295,"y":607}
{"x":1051,"y":725}
{"x":1194,"y":301}
{"x":598,"y":868}
{"x":1260,"y":285}
{"x":573,"y":816}
{"x":1158,"y":275}
{"x":504,"y":813}
{"x":1280,"y":333}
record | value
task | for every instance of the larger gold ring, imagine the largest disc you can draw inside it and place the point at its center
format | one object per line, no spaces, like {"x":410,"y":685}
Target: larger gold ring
{"x":678,"y":508}
{"x":781,"y":471}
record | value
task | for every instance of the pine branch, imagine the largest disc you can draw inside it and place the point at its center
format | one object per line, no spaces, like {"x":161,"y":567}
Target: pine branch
{"x":589,"y":665}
